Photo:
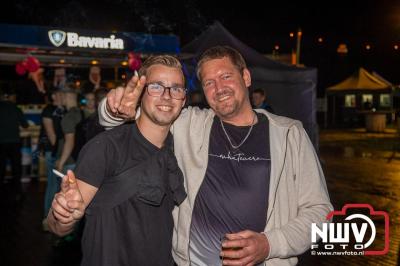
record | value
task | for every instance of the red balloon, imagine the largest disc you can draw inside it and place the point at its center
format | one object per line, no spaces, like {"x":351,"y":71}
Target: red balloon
{"x":134,"y":61}
{"x":32,"y":64}
{"x":20,"y":68}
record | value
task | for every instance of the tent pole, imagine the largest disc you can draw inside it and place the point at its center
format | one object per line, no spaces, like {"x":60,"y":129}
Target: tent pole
{"x":299,"y":33}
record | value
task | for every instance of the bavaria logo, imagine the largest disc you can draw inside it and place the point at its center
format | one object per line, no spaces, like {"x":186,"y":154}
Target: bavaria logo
{"x":57,"y":37}
{"x":73,"y":39}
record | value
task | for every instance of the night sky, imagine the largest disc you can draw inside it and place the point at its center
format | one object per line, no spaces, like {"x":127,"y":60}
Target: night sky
{"x":260,"y":25}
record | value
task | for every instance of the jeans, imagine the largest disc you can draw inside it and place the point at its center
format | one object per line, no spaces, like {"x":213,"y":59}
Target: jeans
{"x":53,"y":182}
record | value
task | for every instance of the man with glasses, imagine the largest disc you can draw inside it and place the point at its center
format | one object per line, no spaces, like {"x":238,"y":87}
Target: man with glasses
{"x":128,"y":180}
{"x":157,"y":89}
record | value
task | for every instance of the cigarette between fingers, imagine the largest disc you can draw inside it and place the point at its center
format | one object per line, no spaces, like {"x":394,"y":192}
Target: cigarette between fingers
{"x":62,"y":175}
{"x":58,"y":173}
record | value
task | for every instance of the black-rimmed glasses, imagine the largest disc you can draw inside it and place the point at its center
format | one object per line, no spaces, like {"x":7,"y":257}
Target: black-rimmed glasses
{"x":156,"y":90}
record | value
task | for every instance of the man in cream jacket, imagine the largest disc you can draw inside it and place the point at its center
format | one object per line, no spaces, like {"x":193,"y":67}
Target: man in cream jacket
{"x":253,"y":179}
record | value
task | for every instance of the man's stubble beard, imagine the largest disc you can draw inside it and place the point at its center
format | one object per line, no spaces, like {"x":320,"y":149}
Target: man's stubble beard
{"x":227,"y":110}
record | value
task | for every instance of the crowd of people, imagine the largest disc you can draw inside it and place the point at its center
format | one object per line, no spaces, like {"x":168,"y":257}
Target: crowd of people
{"x":66,"y":127}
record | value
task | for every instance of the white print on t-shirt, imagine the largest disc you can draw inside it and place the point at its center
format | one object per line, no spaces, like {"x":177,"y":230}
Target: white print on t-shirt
{"x":238,"y":157}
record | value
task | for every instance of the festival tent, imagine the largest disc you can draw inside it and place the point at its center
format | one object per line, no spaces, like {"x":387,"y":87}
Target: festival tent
{"x":290,"y":90}
{"x":348,"y":98}
{"x":361,"y":80}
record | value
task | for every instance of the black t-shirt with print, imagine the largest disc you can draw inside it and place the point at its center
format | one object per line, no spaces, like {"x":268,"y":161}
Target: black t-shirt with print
{"x":234,"y":193}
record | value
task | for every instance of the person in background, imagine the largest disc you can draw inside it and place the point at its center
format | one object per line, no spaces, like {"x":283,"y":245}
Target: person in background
{"x":91,"y":125}
{"x":11,"y":119}
{"x":94,"y":81}
{"x":88,"y":127}
{"x":90,"y":105}
{"x":69,"y":122}
{"x":49,"y":137}
{"x":259,"y":102}
{"x":65,"y":149}
{"x":367,"y":105}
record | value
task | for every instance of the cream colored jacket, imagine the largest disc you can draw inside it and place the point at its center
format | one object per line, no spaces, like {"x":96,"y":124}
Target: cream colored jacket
{"x":298,"y":195}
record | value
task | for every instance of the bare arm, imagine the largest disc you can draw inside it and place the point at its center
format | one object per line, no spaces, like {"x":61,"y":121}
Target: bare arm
{"x":49,"y":128}
{"x":69,"y":204}
{"x":69,"y":140}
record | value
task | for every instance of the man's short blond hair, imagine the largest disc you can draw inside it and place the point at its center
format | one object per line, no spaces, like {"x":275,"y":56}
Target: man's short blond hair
{"x":165,"y":60}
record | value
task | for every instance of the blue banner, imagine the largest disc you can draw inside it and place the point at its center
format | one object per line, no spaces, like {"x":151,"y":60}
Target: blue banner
{"x":74,"y":39}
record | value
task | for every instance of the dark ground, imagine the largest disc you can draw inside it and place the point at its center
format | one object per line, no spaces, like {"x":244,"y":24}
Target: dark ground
{"x":360,"y":167}
{"x":363,"y":167}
